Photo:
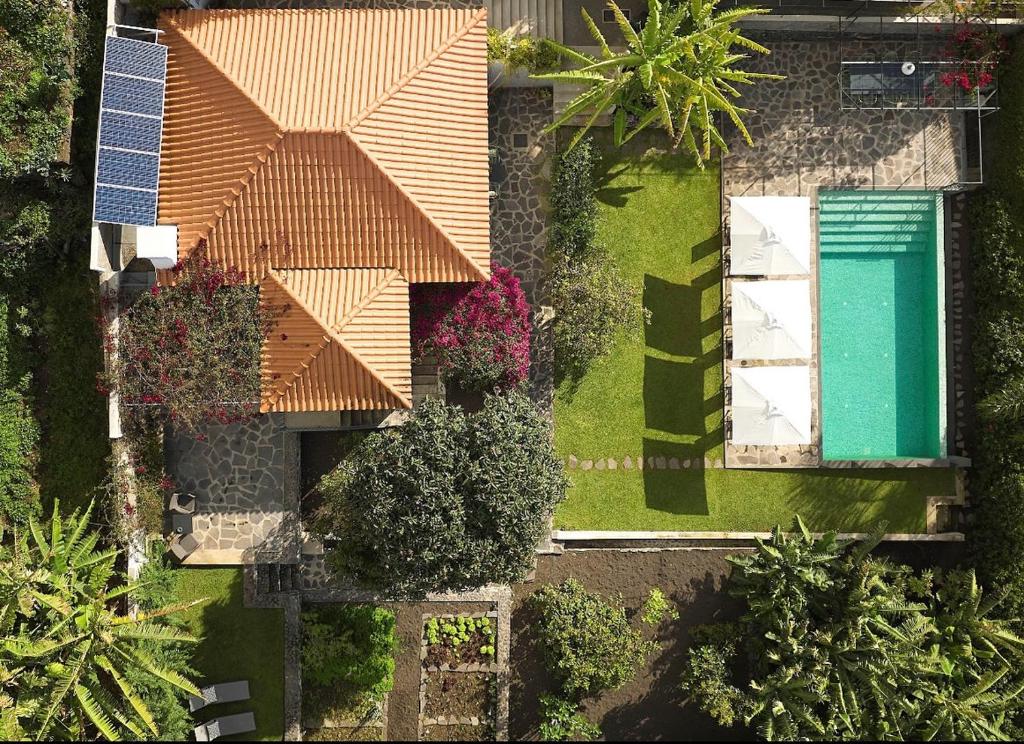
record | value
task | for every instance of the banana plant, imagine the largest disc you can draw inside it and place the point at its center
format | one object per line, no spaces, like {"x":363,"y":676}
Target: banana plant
{"x":65,"y":648}
{"x":679,"y":71}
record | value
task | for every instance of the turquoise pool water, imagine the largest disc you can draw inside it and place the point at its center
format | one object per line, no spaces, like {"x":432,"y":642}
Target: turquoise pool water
{"x":882,"y":353}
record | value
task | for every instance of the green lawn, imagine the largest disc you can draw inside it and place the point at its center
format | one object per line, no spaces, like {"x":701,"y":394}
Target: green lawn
{"x":238,"y":643}
{"x":660,"y":390}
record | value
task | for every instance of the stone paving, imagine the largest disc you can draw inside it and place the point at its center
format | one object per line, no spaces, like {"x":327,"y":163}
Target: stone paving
{"x":804,"y":141}
{"x":246,"y":486}
{"x":519,"y":211}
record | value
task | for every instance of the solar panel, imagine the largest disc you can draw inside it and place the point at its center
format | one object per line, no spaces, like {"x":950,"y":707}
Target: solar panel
{"x":131,"y":124}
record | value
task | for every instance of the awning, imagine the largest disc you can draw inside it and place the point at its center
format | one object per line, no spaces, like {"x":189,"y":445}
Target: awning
{"x":770,"y":235}
{"x":771,"y":319}
{"x":771,"y":405}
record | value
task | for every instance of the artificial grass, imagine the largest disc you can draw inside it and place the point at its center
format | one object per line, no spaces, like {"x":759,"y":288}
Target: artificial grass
{"x":237,"y":643}
{"x":660,"y":392}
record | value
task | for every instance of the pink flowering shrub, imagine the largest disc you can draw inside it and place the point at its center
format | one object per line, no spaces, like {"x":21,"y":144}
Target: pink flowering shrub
{"x":977,"y":52}
{"x":480,"y":333}
{"x":192,"y":348}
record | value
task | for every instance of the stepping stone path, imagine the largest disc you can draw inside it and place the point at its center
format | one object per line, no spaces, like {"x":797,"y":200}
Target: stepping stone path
{"x":652,"y":462}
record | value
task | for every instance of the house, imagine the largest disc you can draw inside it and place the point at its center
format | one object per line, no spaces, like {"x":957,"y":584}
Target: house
{"x":334,"y":156}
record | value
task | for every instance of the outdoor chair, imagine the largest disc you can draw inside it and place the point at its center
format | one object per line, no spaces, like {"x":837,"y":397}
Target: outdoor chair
{"x":240,"y":723}
{"x":225,"y":692}
{"x":182,"y":503}
{"x":182,"y":546}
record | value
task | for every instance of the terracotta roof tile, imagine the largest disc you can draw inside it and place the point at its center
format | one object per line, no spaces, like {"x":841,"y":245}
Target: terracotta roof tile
{"x":329,"y":139}
{"x":341,"y":341}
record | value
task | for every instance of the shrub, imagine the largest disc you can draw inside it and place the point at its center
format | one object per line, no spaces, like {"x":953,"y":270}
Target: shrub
{"x":19,"y":431}
{"x":521,"y":52}
{"x":593,"y":304}
{"x":562,"y":721}
{"x":193,"y":348}
{"x":573,"y":203}
{"x":483,"y":342}
{"x":36,"y":84}
{"x":591,"y":300}
{"x":656,"y":608}
{"x":464,"y":498}
{"x":707,"y":680}
{"x":353,"y":645}
{"x":588,"y":643}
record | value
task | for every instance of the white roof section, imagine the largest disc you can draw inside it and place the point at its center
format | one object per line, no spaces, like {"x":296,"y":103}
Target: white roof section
{"x":770,"y":235}
{"x":771,"y":319}
{"x":771,"y":405}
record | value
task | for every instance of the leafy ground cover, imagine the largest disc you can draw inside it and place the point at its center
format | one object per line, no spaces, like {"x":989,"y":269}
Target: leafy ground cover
{"x":238,"y":643}
{"x":660,"y":392}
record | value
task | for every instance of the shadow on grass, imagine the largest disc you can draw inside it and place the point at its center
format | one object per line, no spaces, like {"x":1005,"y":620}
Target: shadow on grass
{"x":673,"y":491}
{"x":237,"y":643}
{"x":896,"y":497}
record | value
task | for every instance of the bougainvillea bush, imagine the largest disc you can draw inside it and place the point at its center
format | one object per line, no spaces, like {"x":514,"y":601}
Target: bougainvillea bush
{"x":977,"y":53}
{"x":479,"y":333}
{"x":193,"y":347}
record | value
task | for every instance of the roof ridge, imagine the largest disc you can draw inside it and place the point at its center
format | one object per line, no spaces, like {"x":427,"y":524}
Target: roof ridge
{"x":261,"y":159}
{"x":474,"y":19}
{"x":172,"y":18}
{"x":329,"y":337}
{"x":370,"y":296}
{"x":348,"y":129}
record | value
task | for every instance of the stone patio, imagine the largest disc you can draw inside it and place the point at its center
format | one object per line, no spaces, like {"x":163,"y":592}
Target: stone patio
{"x":519,"y":211}
{"x":245,"y":479}
{"x":804,"y":141}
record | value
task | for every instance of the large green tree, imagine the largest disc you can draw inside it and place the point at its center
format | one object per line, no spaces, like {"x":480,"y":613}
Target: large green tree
{"x":679,"y":71}
{"x":843,"y":645}
{"x":67,"y":655}
{"x":447,"y":501}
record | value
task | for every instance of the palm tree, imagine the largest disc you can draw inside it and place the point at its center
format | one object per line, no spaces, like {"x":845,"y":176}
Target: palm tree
{"x":678,"y":71}
{"x":65,"y":647}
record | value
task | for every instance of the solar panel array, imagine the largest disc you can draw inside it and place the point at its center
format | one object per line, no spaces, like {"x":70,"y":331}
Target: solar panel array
{"x":131,"y":123}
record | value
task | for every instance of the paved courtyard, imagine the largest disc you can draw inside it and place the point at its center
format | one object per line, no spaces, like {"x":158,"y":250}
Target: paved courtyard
{"x":245,"y":480}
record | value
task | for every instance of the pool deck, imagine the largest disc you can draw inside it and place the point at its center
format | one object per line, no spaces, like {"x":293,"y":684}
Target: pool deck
{"x":803,"y":142}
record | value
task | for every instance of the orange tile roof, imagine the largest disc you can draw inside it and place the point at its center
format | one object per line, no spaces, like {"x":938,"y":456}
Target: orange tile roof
{"x":341,"y":341}
{"x":329,"y":138}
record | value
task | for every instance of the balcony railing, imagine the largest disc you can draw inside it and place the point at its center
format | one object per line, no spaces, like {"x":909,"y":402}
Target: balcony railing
{"x":912,"y":84}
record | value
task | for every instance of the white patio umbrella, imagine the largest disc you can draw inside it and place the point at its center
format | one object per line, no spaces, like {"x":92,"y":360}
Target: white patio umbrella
{"x":771,"y":405}
{"x":770,"y":235}
{"x":771,"y":319}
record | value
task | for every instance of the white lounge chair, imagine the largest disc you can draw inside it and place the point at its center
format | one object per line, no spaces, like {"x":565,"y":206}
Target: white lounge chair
{"x":225,"y":692}
{"x":240,"y":723}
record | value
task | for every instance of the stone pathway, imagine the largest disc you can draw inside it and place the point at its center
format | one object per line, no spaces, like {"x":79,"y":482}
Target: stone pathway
{"x":519,"y":213}
{"x":245,"y":479}
{"x":651,"y":462}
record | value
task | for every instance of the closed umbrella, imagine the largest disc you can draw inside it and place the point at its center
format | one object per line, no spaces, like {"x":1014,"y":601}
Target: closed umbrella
{"x":771,"y":319}
{"x":770,"y":235}
{"x":771,"y":405}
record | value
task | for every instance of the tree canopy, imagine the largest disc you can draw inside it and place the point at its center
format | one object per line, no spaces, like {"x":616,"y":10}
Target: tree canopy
{"x":67,"y":656}
{"x":447,"y":501}
{"x":838,"y":644}
{"x":678,"y":71}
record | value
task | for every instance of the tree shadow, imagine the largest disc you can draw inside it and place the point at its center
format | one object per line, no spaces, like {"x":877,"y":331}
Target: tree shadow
{"x":681,"y":491}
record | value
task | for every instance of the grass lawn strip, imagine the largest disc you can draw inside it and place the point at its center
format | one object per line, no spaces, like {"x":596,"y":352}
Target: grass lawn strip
{"x":659,"y":392}
{"x":238,"y":643}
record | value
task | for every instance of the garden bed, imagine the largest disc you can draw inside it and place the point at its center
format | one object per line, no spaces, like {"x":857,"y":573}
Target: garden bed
{"x":463,"y":641}
{"x":459,"y":698}
{"x":349,"y":733}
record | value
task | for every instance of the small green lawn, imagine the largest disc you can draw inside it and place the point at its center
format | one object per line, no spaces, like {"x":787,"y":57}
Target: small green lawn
{"x":660,"y":390}
{"x":237,"y":643}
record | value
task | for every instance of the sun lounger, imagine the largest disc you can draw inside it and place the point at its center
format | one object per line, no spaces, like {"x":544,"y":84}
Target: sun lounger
{"x":225,"y":692}
{"x":240,"y":723}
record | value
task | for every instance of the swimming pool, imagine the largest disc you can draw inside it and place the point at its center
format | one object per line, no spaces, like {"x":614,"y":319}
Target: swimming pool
{"x":881,"y":290}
